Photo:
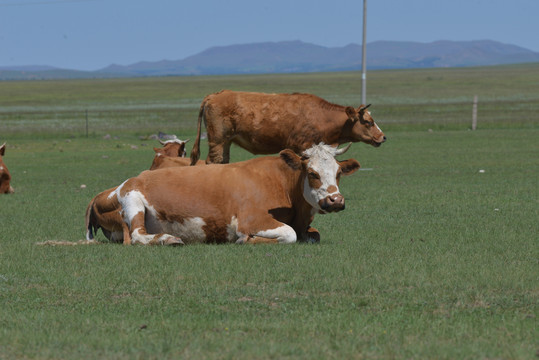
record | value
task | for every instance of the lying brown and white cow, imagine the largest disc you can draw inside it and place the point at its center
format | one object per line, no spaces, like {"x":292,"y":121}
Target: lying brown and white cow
{"x":104,"y":214}
{"x":268,"y":123}
{"x":269,"y":199}
{"x":5,"y":176}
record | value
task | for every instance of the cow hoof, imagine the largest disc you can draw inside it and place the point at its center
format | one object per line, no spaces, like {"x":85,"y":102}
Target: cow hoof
{"x":242,"y":239}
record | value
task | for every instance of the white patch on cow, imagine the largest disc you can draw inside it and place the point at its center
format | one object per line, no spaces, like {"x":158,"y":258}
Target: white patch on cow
{"x":232,"y":230}
{"x":174,"y":141}
{"x":284,"y":234}
{"x":1,"y":168}
{"x":116,"y":192}
{"x":377,"y":127}
{"x":133,"y":203}
{"x":322,"y":160}
{"x":190,"y":230}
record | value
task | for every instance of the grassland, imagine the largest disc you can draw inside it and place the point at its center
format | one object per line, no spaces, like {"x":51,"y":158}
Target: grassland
{"x":431,"y":259}
{"x":402,"y":99}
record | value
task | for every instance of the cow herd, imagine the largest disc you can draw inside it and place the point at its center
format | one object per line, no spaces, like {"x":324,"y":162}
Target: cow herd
{"x":270,"y":199}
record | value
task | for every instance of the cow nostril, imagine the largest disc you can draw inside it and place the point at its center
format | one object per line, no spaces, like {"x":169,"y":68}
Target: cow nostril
{"x":385,"y":138}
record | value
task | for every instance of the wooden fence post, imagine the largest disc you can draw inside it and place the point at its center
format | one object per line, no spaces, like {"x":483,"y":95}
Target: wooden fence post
{"x":86,"y":123}
{"x":474,"y":113}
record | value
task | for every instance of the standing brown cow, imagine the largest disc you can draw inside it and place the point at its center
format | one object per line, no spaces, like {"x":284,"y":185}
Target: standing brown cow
{"x":5,"y":177}
{"x":268,"y":123}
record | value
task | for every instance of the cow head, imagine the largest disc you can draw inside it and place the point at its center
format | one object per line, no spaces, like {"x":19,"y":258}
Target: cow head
{"x":321,"y":173}
{"x":363,"y":126}
{"x":173,"y":148}
{"x":5,"y":177}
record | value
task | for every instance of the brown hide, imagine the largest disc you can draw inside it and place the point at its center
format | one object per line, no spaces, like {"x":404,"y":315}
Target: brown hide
{"x":161,"y":162}
{"x":248,"y":197}
{"x":268,"y":123}
{"x":5,"y":176}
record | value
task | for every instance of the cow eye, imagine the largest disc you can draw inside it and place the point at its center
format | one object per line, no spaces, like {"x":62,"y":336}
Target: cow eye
{"x":313,"y":175}
{"x":367,"y":123}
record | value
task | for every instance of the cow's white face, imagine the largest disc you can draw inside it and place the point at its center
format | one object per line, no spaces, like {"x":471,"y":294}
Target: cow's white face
{"x":322,"y":175}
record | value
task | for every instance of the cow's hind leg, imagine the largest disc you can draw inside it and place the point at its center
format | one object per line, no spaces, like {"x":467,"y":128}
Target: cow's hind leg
{"x":216,"y":153}
{"x":280,"y":234}
{"x":134,"y":215}
{"x":140,"y":236}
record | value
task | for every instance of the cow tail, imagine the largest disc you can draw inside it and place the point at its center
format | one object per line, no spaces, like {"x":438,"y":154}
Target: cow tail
{"x":195,"y":152}
{"x":90,"y":224}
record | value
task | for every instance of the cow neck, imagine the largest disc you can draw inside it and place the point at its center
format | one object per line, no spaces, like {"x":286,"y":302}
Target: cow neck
{"x":335,"y":134}
{"x":303,"y":211}
{"x":346,"y":132}
{"x":299,"y":203}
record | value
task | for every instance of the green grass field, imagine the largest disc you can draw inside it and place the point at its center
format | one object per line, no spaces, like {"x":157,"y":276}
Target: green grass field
{"x":431,"y":258}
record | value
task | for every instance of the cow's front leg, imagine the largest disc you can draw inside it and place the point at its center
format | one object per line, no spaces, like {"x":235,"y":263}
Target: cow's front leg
{"x":282,"y":234}
{"x":312,"y":235}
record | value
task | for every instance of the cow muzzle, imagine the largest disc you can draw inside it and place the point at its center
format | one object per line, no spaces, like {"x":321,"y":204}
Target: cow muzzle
{"x":378,"y":142}
{"x":332,"y":203}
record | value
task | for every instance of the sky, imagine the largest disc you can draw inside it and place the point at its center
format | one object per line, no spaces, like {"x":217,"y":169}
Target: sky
{"x":92,"y":34}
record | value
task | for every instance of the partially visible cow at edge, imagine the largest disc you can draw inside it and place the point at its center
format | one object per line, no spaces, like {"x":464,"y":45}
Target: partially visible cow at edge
{"x":5,"y":176}
{"x":268,"y":123}
{"x":270,"y":199}
{"x":104,"y":214}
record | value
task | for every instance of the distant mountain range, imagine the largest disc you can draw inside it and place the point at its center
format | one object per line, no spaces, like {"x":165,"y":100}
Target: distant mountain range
{"x":298,"y":56}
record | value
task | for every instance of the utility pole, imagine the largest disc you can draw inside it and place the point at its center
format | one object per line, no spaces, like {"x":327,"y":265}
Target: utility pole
{"x":364,"y":57}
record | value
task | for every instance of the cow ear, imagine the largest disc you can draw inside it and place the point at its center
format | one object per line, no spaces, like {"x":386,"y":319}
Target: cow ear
{"x":291,"y":159}
{"x":350,"y":166}
{"x":352,"y":113}
{"x":156,"y":150}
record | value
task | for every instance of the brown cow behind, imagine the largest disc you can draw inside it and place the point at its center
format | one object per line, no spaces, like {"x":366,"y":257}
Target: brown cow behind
{"x":104,"y":213}
{"x":5,"y":176}
{"x":268,"y":123}
{"x":172,"y":149}
{"x":271,"y":199}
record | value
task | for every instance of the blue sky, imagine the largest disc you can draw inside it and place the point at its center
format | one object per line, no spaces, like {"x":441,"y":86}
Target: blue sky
{"x":92,"y":34}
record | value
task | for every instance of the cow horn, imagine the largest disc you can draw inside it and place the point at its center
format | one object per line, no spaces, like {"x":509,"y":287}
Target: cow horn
{"x":364,"y":107}
{"x":162,"y":142}
{"x":185,"y":141}
{"x":343,"y":150}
